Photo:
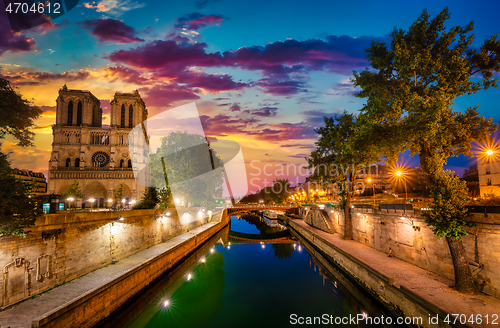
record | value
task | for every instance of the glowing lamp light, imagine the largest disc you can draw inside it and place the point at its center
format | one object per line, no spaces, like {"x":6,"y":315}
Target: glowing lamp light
{"x":399,"y":173}
{"x":121,"y":219}
{"x":212,"y":250}
{"x":132,"y":201}
{"x":369,"y":180}
{"x":263,"y":246}
{"x":123,"y":200}
{"x":489,"y":152}
{"x":71,"y":199}
{"x":228,"y":247}
{"x":203,"y":260}
{"x":110,"y":200}
{"x":92,"y":200}
{"x":166,"y":303}
{"x":177,"y":201}
{"x":189,"y":277}
{"x":299,"y":248}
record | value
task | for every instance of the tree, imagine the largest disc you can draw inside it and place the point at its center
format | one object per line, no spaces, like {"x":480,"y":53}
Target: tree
{"x":74,"y":191}
{"x":279,"y":192}
{"x":165,"y":198}
{"x":184,"y":165}
{"x":119,"y":194}
{"x":409,"y":92}
{"x":340,"y":154}
{"x":18,"y":208}
{"x":17,"y":116}
{"x":447,"y":217}
{"x":148,"y":200}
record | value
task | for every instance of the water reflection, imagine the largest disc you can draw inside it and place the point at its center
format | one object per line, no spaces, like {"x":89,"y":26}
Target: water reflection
{"x":251,"y":284}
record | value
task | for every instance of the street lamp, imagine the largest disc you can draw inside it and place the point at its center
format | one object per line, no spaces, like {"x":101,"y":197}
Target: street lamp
{"x":92,"y":200}
{"x":70,"y":199}
{"x":373,"y":188}
{"x":489,"y":152}
{"x":401,"y":174}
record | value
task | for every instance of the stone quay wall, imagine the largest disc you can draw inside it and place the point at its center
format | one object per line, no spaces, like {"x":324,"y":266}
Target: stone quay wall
{"x":411,"y":240}
{"x":62,"y":247}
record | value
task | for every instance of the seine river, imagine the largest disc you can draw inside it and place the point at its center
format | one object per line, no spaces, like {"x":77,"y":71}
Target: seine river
{"x":232,"y":282}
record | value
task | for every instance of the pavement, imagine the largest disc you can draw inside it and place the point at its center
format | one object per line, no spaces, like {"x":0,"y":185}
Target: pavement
{"x":22,"y":314}
{"x":428,"y":286}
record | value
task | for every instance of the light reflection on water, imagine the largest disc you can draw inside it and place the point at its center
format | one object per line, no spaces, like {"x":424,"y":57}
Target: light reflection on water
{"x":243,"y":285}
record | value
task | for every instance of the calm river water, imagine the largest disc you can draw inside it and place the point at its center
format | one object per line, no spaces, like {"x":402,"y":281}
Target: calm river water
{"x":240,"y":284}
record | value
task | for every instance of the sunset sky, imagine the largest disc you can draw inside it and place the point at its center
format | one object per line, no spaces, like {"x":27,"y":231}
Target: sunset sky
{"x":262,"y":73}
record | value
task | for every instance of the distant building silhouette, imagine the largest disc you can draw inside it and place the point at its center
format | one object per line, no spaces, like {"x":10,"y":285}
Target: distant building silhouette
{"x":28,"y":176}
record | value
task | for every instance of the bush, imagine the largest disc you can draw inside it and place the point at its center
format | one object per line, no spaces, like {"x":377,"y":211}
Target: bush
{"x":148,"y":201}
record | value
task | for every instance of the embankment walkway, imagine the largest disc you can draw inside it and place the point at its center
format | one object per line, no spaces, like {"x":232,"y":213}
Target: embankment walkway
{"x":61,"y":297}
{"x":430,"y":290}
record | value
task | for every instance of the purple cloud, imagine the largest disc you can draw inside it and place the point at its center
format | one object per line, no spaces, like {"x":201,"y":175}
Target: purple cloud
{"x":111,"y":30}
{"x":13,"y":42}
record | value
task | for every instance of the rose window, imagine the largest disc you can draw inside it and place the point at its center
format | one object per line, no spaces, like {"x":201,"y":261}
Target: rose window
{"x":100,"y":159}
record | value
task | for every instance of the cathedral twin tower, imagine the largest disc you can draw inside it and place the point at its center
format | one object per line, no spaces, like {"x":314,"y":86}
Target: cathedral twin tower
{"x":97,"y":157}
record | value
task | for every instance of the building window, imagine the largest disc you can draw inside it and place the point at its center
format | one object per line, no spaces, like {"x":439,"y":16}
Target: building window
{"x":70,"y":114}
{"x":100,"y":159}
{"x":68,"y":162}
{"x":130,"y":116}
{"x":129,"y":163}
{"x":488,"y":170}
{"x":77,"y":162}
{"x":122,"y":123}
{"x":121,"y":163}
{"x":489,"y":182}
{"x":79,"y":114}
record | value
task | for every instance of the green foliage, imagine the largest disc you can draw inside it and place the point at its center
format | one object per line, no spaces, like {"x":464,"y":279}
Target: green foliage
{"x":73,"y":191}
{"x":17,"y":116}
{"x":341,"y":150}
{"x":148,"y":200}
{"x":279,"y":191}
{"x":448,"y":214}
{"x":190,"y":170}
{"x":343,"y":198}
{"x":119,"y":193}
{"x":18,"y":208}
{"x":165,"y":198}
{"x":410,"y":92}
{"x":413,"y":84}
{"x":275,"y":194}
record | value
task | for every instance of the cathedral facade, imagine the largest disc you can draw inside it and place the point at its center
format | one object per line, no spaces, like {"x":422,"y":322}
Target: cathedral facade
{"x":98,"y":158}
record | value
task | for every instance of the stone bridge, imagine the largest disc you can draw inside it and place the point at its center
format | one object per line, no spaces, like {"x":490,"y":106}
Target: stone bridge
{"x":291,"y":208}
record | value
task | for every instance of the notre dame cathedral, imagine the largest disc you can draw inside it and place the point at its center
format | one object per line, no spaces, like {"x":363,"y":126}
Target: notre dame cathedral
{"x":95,"y":156}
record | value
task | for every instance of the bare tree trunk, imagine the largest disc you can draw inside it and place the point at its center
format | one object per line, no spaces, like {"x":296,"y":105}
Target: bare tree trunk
{"x":347,"y":215}
{"x":463,"y":275}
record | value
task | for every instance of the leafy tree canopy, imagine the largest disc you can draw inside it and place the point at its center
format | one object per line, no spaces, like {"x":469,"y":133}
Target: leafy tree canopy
{"x":17,"y":115}
{"x":148,"y":200}
{"x":184,"y":164}
{"x":74,"y":191}
{"x":413,"y":83}
{"x":18,"y":208}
